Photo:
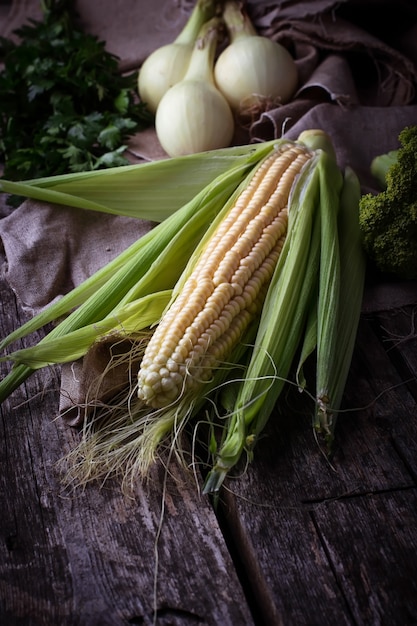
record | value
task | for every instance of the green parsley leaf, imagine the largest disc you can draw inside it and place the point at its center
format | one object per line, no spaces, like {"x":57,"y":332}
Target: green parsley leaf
{"x":65,"y":106}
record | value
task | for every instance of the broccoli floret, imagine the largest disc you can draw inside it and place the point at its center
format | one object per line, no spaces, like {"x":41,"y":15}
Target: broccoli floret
{"x":388,"y":220}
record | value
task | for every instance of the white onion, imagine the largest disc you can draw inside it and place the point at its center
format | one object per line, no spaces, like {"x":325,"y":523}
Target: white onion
{"x":167,"y":65}
{"x":193,"y":116}
{"x":253,"y":71}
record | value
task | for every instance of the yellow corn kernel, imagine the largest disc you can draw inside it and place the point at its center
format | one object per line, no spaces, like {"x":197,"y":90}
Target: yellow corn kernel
{"x":225,"y":290}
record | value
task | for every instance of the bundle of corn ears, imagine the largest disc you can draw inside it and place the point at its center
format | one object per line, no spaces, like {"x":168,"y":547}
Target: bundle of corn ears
{"x":256,"y":263}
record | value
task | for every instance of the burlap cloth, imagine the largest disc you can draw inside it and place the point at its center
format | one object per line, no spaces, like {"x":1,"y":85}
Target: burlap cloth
{"x":357,"y":64}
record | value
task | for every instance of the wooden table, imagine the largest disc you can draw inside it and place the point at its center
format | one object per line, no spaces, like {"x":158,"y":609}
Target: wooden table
{"x":295,"y":539}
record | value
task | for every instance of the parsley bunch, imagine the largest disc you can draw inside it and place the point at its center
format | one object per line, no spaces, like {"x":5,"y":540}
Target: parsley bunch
{"x":64,"y":105}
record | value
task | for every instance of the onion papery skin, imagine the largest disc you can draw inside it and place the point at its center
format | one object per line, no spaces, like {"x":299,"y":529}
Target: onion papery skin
{"x":164,"y":67}
{"x":255,"y":70}
{"x":192,"y":117}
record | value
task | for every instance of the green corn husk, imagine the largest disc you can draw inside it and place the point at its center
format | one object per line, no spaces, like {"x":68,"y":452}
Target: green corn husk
{"x":335,"y":368}
{"x":329,"y":284}
{"x":150,"y":191}
{"x":309,"y":344}
{"x":129,"y":320}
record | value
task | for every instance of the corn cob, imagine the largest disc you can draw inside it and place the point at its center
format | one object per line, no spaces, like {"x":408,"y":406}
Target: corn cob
{"x":239,"y":275}
{"x":224,"y":291}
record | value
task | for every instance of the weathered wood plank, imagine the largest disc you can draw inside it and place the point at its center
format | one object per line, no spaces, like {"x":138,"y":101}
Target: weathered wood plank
{"x":372,"y":549}
{"x":89,"y":558}
{"x":399,"y":337}
{"x":284,"y":560}
{"x":388,"y":411}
